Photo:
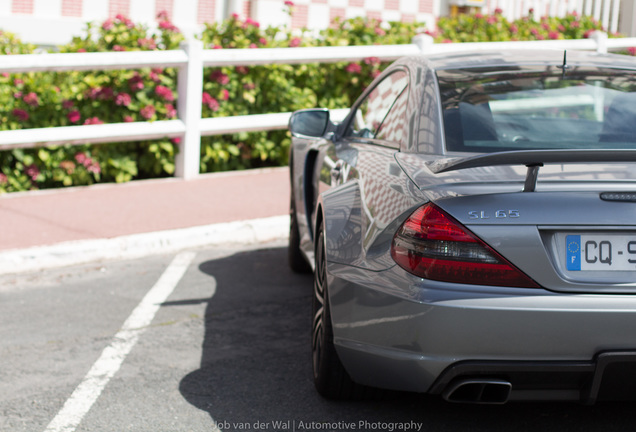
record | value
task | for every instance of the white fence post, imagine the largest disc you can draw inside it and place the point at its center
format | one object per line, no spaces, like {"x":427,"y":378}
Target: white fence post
{"x":424,"y":42}
{"x":190,"y":89}
{"x":601,"y":41}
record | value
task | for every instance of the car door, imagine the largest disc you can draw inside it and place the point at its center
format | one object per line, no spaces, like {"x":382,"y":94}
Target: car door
{"x":360,"y":180}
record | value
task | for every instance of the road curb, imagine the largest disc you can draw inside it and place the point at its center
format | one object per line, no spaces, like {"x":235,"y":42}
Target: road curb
{"x":64,"y":254}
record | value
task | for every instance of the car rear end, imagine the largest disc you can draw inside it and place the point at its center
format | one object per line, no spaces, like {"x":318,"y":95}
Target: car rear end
{"x":517,"y":279}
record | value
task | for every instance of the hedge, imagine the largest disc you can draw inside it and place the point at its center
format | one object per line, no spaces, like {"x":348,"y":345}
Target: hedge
{"x":29,"y":100}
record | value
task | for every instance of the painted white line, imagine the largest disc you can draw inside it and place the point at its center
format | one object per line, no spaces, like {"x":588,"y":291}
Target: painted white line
{"x":113,"y":355}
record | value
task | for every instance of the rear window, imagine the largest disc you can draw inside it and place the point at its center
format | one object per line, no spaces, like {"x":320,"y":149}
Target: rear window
{"x":538,"y":108}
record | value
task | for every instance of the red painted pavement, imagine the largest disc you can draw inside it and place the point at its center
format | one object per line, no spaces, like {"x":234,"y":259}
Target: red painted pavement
{"x":106,"y":211}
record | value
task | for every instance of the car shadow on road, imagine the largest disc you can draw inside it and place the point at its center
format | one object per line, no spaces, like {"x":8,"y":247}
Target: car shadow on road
{"x":255,"y":370}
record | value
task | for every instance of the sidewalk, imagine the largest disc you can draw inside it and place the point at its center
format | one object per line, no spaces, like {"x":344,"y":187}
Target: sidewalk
{"x":66,"y":226}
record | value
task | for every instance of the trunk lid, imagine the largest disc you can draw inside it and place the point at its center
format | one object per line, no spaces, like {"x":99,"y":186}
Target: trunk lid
{"x":575,"y":232}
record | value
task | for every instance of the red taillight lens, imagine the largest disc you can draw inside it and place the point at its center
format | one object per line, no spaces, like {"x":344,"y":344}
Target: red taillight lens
{"x":433,"y":245}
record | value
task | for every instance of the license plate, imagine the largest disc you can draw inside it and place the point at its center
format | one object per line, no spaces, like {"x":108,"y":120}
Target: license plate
{"x":600,"y":252}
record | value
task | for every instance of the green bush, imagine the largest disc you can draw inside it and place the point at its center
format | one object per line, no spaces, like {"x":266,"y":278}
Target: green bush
{"x":31,"y":100}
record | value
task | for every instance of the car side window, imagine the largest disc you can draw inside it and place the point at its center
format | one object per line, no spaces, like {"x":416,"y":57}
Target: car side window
{"x":376,"y":105}
{"x":392,"y":128}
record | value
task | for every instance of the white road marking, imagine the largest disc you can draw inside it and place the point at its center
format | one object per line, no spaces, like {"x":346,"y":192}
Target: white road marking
{"x":87,"y":392}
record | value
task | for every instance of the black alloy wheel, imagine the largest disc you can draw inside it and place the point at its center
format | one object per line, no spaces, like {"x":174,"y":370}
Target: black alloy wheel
{"x":330,"y":377}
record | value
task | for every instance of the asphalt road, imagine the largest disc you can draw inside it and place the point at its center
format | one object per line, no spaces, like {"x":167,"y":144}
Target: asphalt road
{"x":228,"y":349}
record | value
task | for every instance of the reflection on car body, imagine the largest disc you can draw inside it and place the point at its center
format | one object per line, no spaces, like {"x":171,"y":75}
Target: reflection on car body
{"x":460,"y":232}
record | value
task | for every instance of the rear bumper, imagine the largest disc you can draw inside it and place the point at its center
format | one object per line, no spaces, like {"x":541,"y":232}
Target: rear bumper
{"x":399,"y":332}
{"x":609,"y":376}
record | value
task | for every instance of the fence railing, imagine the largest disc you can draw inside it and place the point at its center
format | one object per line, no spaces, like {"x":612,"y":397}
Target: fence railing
{"x":191,"y":60}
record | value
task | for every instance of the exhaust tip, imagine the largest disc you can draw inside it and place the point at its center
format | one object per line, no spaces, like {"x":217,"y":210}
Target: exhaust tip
{"x":478,"y":391}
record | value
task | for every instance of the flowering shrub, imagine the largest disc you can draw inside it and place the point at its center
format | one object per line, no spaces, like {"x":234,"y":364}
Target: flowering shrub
{"x":76,"y":98}
{"x":484,"y":28}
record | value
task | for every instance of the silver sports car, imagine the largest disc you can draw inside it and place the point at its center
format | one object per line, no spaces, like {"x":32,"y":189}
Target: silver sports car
{"x":471,"y":227}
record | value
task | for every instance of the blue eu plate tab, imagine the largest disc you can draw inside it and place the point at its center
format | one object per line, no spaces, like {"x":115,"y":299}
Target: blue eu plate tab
{"x":573,"y":252}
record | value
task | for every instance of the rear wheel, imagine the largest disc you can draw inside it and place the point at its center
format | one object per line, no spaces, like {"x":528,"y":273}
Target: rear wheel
{"x":330,"y":378}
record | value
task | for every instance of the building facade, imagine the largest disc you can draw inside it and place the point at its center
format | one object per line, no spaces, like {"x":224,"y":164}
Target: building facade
{"x":55,"y":22}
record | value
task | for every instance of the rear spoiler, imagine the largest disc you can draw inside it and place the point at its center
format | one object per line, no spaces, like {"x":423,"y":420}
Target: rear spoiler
{"x":533,"y":159}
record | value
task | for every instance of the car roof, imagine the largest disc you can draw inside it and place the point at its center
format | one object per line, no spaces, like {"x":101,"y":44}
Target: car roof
{"x":521,"y":57}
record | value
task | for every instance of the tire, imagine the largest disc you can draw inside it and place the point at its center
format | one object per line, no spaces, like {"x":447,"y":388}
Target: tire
{"x":330,"y":377}
{"x":295,"y":257}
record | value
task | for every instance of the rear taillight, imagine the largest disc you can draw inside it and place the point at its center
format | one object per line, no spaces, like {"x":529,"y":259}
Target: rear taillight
{"x":433,"y":245}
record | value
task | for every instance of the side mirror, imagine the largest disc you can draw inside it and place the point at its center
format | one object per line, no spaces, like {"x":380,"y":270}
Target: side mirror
{"x":309,"y":122}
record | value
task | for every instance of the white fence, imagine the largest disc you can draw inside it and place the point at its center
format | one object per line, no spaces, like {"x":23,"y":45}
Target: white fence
{"x":191,"y":60}
{"x":606,"y":11}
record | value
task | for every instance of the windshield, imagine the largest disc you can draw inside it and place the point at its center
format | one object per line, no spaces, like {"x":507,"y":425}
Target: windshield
{"x":488,"y":110}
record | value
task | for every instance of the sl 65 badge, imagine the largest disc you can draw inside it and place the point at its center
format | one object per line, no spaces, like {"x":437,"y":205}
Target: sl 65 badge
{"x":496,"y":214}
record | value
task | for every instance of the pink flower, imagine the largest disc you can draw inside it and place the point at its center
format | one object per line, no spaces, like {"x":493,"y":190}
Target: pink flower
{"x":478,"y":15}
{"x":208,"y":100}
{"x":136,"y":82}
{"x":147,"y":112}
{"x":93,"y":92}
{"x":3,"y":179}
{"x":105,"y":93}
{"x":147,"y":43}
{"x":32,"y":171}
{"x":167,"y":25}
{"x":294,"y":42}
{"x":31,"y":99}
{"x":107,"y":25}
{"x":492,"y":19}
{"x":68,"y":166}
{"x":372,"y":61}
{"x":93,"y":167}
{"x":554,"y":35}
{"x":262,"y":41}
{"x":514,"y":29}
{"x":164,"y":93}
{"x":154,"y":76}
{"x":225,"y":95}
{"x":163,"y":15}
{"x":171,"y":112}
{"x":93,"y":121}
{"x":375,"y":74}
{"x":81,"y":158}
{"x":632,"y":51}
{"x":176,"y":140}
{"x":128,"y":119}
{"x":243,"y":70}
{"x":220,"y":77}
{"x":17,"y":95}
{"x":17,"y":82}
{"x":498,"y":11}
{"x":217,"y":47}
{"x":379,"y":31}
{"x":20,"y":114}
{"x":250,"y":21}
{"x":123,"y":99}
{"x":74,"y":116}
{"x":253,"y":45}
{"x":249,"y":86}
{"x":354,"y":68}
{"x":119,"y":48}
{"x":289,"y":3}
